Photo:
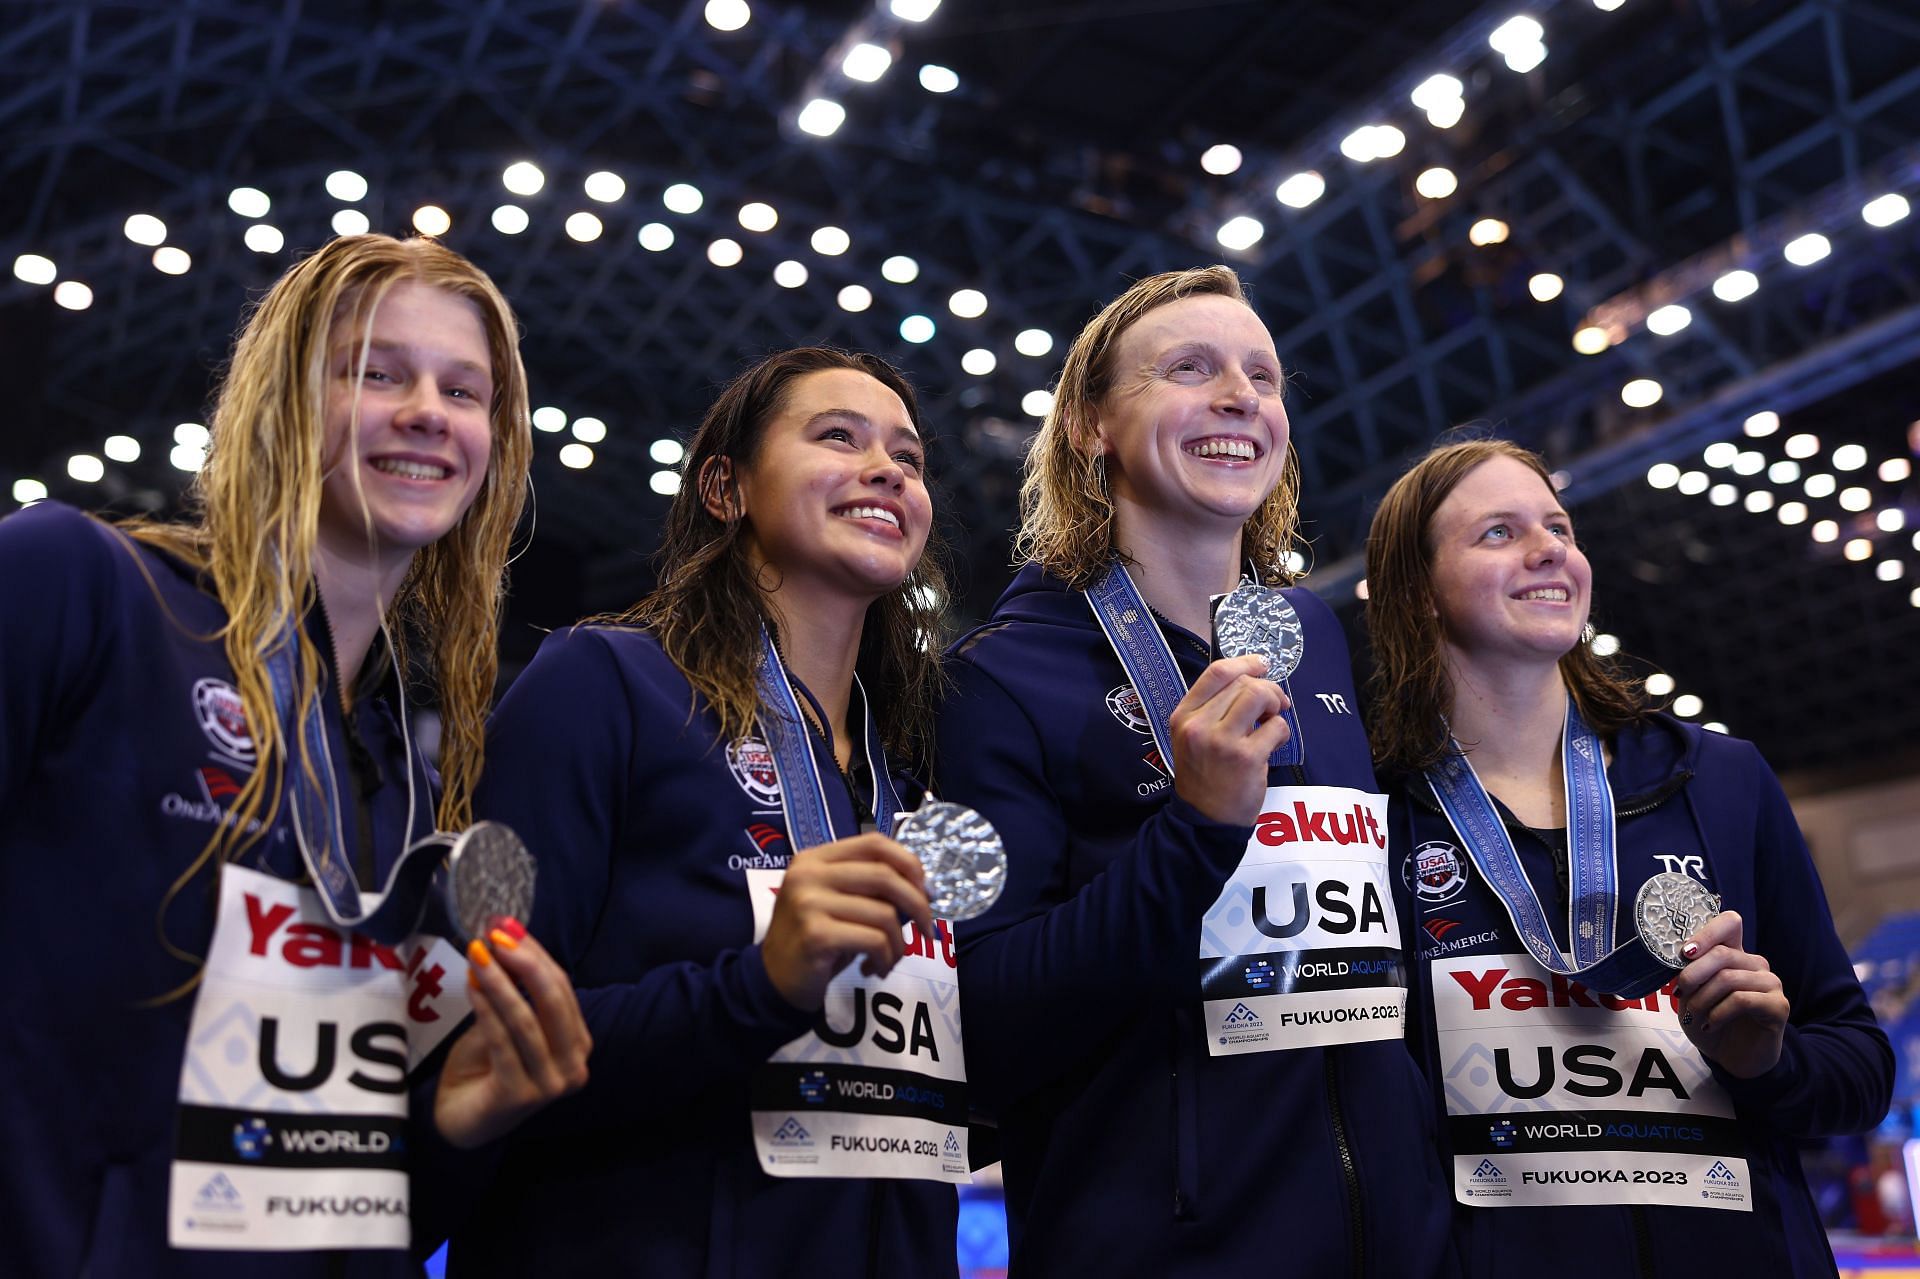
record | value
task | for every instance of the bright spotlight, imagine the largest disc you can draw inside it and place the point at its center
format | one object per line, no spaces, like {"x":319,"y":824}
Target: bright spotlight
{"x":1546,"y":286}
{"x":86,"y":468}
{"x":1220,"y":159}
{"x":899,"y":270}
{"x":866,"y":63}
{"x":917,"y":328}
{"x":822,"y":117}
{"x":979,"y":361}
{"x":727,"y":15}
{"x":855,"y":297}
{"x":523,"y":177}
{"x":169,"y":260}
{"x":1240,"y":232}
{"x":550,"y":419}
{"x":1736,"y":286}
{"x":589,"y":430}
{"x":604,"y":186}
{"x":1487,"y":231}
{"x":1807,"y":249}
{"x":351,"y":222}
{"x":121,"y":448}
{"x":510,"y":219}
{"x":1437,"y":89}
{"x":1641,"y":393}
{"x":1663,"y":475}
{"x":665,"y":483}
{"x":1792,"y":513}
{"x":584,"y":227}
{"x":667,"y":452}
{"x":831,"y":241}
{"x":26,"y":492}
{"x":345,"y":184}
{"x":1033,"y":342}
{"x":1036,"y":403}
{"x":1436,"y":183}
{"x":576,"y":456}
{"x":682,"y":197}
{"x":1849,"y":457}
{"x":144,"y":228}
{"x":188,"y":457}
{"x":1590,"y":339}
{"x":758,"y":216}
{"x":1761,"y":424}
{"x":656,"y":237}
{"x":913,"y":10}
{"x":31,"y":268}
{"x":1885,"y":210}
{"x":968,"y":304}
{"x":249,"y":202}
{"x":73,"y":295}
{"x":1687,"y":705}
{"x":431,"y":219}
{"x":938,"y":79}
{"x":1720,"y":454}
{"x":1669,"y":319}
{"x":1659,"y":684}
{"x":724,"y":252}
{"x":790,"y":274}
{"x":1300,"y":190}
{"x":1802,"y":446}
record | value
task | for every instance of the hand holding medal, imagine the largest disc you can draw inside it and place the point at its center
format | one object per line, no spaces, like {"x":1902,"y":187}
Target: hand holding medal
{"x":962,"y":854}
{"x":1732,"y":1005}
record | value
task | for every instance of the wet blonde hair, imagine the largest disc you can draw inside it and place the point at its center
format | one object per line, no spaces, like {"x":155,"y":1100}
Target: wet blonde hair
{"x":256,"y":508}
{"x":1409,"y":690}
{"x":1066,"y":513}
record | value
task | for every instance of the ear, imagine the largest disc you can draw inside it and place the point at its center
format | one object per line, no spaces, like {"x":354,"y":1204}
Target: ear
{"x":718,"y":492}
{"x":1088,"y":435}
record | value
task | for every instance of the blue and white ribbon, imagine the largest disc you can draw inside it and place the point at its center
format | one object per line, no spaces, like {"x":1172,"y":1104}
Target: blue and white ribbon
{"x":803,"y":795}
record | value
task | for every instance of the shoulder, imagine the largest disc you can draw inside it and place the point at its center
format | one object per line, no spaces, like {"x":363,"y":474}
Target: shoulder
{"x":56,"y":541}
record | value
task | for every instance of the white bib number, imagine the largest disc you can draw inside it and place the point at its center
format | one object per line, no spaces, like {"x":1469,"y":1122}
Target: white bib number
{"x":878,"y":1088}
{"x":291,"y":1129}
{"x":1558,"y":1095}
{"x":1302,"y":948}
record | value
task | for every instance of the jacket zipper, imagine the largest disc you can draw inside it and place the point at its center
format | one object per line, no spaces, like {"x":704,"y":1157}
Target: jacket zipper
{"x":1642,"y":1243}
{"x":1348,"y":1171}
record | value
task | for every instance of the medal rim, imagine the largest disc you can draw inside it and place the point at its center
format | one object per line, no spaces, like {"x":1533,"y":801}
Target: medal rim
{"x":1665,"y":879}
{"x":1256,"y":590}
{"x":981,"y":892}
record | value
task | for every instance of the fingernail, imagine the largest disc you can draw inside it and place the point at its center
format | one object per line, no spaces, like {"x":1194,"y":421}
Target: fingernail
{"x":473,"y":978}
{"x":477,"y":953}
{"x":510,"y":926}
{"x":504,"y":940}
{"x":1691,"y":949}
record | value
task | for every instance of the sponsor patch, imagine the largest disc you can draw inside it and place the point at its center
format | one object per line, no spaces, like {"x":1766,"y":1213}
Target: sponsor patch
{"x":223,"y":718}
{"x":752,"y":766}
{"x":1435,"y":872}
{"x":1124,"y":702}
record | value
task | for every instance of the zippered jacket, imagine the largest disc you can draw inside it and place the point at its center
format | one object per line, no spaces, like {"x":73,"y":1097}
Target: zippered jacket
{"x":1705,"y":805}
{"x":113,"y":775}
{"x":649,"y":834}
{"x":1128,"y":1150}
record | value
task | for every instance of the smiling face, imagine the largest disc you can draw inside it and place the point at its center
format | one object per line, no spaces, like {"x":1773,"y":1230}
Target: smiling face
{"x":835,"y":496}
{"x":1193,"y":428}
{"x":405,"y":477}
{"x":1509,"y":583}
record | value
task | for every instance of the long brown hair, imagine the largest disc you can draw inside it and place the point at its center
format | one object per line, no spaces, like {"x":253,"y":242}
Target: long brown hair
{"x":1409,"y":691}
{"x":709,"y":606}
{"x":255,"y":509}
{"x":1066,"y":514}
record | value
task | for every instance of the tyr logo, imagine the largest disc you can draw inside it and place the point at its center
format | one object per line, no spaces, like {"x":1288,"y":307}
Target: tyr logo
{"x":1692,"y":864}
{"x":1335,"y":702}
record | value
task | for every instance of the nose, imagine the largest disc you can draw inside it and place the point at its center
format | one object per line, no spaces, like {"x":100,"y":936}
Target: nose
{"x":1543,"y":549}
{"x":1237,"y":394}
{"x":884,"y":471}
{"x":424,"y":409}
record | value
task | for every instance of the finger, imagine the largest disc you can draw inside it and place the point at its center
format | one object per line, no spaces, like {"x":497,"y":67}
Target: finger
{"x":1714,"y":962}
{"x":1762,"y":1008}
{"x":1724,"y":929}
{"x":1217,"y":676}
{"x":871,"y":847}
{"x":878,"y":883}
{"x":503,"y":1061}
{"x":1241,"y":707}
{"x":524,"y":1031}
{"x":862,"y":912}
{"x":547,"y":988}
{"x":1727,"y":983}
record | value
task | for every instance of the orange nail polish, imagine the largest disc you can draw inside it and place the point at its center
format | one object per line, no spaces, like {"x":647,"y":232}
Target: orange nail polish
{"x":504,"y":940}
{"x":477,"y":953}
{"x":510,"y":926}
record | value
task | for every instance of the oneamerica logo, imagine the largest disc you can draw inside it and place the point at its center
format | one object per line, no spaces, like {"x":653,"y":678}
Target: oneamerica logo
{"x":752,"y":766}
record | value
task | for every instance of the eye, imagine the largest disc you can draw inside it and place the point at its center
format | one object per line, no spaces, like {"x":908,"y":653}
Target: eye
{"x":837,"y":433}
{"x":910,"y":459}
{"x":1499,"y":532}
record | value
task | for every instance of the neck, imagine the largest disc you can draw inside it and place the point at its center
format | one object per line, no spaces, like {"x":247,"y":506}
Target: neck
{"x":1507,"y":716}
{"x":820,"y":638}
{"x":354,"y":591}
{"x":1179,"y":571}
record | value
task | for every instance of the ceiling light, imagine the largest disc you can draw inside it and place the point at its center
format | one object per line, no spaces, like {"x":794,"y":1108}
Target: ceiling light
{"x":667,"y":452}
{"x":1590,"y":339}
{"x":86,"y":468}
{"x":187,"y":457}
{"x":968,"y":304}
{"x":917,"y":328}
{"x":1736,"y":285}
{"x":1436,"y":90}
{"x":73,"y":295}
{"x":900,"y":270}
{"x":1858,"y":549}
{"x":1723,"y":495}
{"x":938,"y":79}
{"x":758,"y":217}
{"x":604,"y":186}
{"x":31,"y":268}
{"x":1849,"y":457}
{"x":169,"y":260}
{"x":665,"y":483}
{"x":431,"y":219}
{"x":1889,"y":570}
{"x":523,"y":177}
{"x":1825,"y":530}
{"x":1895,"y":470}
{"x":510,"y":219}
{"x":1663,"y":475}
{"x":656,"y":237}
{"x":121,"y":448}
{"x":1785,"y":471}
{"x":727,"y":15}
{"x":1807,"y":249}
{"x":1033,"y":342}
{"x":979,"y":361}
{"x":1036,"y":403}
{"x":1692,"y":483}
{"x":345,"y":184}
{"x":830,"y":241}
{"x":682,"y":197}
{"x":855,"y":297}
{"x":790,"y":274}
{"x":1605,"y":645}
{"x":192,"y":434}
{"x":29,"y":491}
{"x":866,"y":63}
{"x":1802,"y":446}
{"x":1819,"y":486}
{"x":1220,"y":159}
{"x":1855,"y":499}
{"x":1436,"y":183}
{"x":1487,"y":231}
{"x":1720,"y":453}
{"x":1687,"y":705}
{"x":1241,"y":232}
{"x":822,"y":117}
{"x":1761,"y":424}
{"x":144,"y":228}
{"x":1748,"y":462}
{"x":724,"y":252}
{"x":1890,"y":520}
{"x":1642,"y":392}
{"x":249,"y":202}
{"x":1546,"y":286}
{"x":350,"y":222}
{"x":1760,"y":501}
{"x":584,"y":227}
{"x":1659,"y":684}
{"x":589,"y":430}
{"x":1669,"y":319}
{"x":548,"y":418}
{"x":1885,"y":210}
{"x":577,"y":456}
{"x":913,"y":10}
{"x":1792,"y":513}
{"x":1300,"y":190}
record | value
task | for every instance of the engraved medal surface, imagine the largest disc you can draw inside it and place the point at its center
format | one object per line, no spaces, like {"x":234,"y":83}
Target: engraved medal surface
{"x":1670,"y":908}
{"x":1258,"y":619}
{"x":965,"y":860}
{"x":489,"y":873}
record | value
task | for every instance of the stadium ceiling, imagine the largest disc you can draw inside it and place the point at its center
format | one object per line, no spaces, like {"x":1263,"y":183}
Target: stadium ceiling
{"x":1656,"y":149}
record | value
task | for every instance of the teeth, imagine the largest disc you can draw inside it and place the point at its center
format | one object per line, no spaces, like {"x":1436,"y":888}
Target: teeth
{"x":871,"y":513}
{"x":1558,"y":594}
{"x":411,"y":470}
{"x":1241,"y":449}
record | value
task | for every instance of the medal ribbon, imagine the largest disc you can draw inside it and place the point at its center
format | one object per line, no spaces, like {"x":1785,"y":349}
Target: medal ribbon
{"x":1593,"y":868}
{"x":318,"y":828}
{"x":1137,"y":641}
{"x":803,"y":795}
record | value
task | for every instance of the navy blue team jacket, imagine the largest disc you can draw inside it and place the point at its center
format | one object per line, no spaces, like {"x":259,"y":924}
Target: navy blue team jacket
{"x":1127,"y":1149}
{"x":112,"y":775}
{"x":619,"y":782}
{"x":1711,"y":806}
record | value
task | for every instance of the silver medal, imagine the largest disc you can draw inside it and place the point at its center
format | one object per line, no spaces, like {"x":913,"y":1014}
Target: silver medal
{"x":489,"y":873}
{"x":1258,"y":619}
{"x":1670,"y":908}
{"x":965,"y":860}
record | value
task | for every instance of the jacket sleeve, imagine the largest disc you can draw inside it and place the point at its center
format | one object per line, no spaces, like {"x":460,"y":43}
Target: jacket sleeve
{"x":570,"y":767}
{"x":56,"y":581}
{"x":1836,"y":1068}
{"x":1041,"y":972}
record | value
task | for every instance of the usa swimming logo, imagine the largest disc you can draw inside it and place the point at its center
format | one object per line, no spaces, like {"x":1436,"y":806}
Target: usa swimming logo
{"x":752,"y":766}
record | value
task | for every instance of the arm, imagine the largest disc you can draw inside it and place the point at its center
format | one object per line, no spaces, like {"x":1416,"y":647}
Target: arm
{"x":1039,"y":971}
{"x":1835,"y":1068}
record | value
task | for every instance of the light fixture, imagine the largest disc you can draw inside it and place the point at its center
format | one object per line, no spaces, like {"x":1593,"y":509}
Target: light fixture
{"x":350,"y":222}
{"x":1692,"y":483}
{"x":576,"y":456}
{"x":169,"y":260}
{"x":1033,"y":342}
{"x":31,"y":268}
{"x":968,"y":304}
{"x":604,"y":186}
{"x":866,"y":62}
{"x":656,"y":237}
{"x":1687,"y":705}
{"x":345,"y":184}
{"x":790,"y":274}
{"x":979,"y":361}
{"x":665,"y":483}
{"x":1642,"y":392}
{"x":589,"y":430}
{"x":73,"y":295}
{"x":1220,"y":159}
{"x":249,"y":202}
{"x":1659,"y":684}
{"x":1802,"y":446}
{"x":938,"y":79}
{"x":727,"y":15}
{"x":1807,"y":249}
{"x":1735,"y":286}
{"x":830,"y":241}
{"x":899,"y":270}
{"x":1759,"y":501}
{"x":1821,"y":486}
{"x":724,"y":252}
{"x":1663,"y":475}
{"x":1436,"y":183}
{"x":27,"y":491}
{"x":1545,"y":286}
{"x":262,"y":238}
{"x":1889,"y":570}
{"x":1036,"y":403}
{"x":510,"y":219}
{"x":1720,"y":454}
{"x":913,"y":10}
{"x":855,"y":297}
{"x":822,"y":117}
{"x":1723,"y":494}
{"x":1885,"y":210}
{"x":1849,"y":457}
{"x":191,"y":434}
{"x":917,"y":328}
{"x":1240,"y":232}
{"x":667,"y":452}
{"x":1590,"y":339}
{"x":144,"y":228}
{"x":1300,"y":190}
{"x":431,"y":219}
{"x":1785,"y":471}
{"x":1825,"y":530}
{"x":1487,"y":231}
{"x":758,"y":216}
{"x":187,"y":457}
{"x":1858,"y":549}
{"x":1669,"y":319}
{"x":86,"y":468}
{"x":682,"y":197}
{"x":1895,"y":470}
{"x":121,"y":448}
{"x":584,"y":227}
{"x":523,"y":177}
{"x":1761,"y":424}
{"x":1792,"y":513}
{"x":550,"y":419}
